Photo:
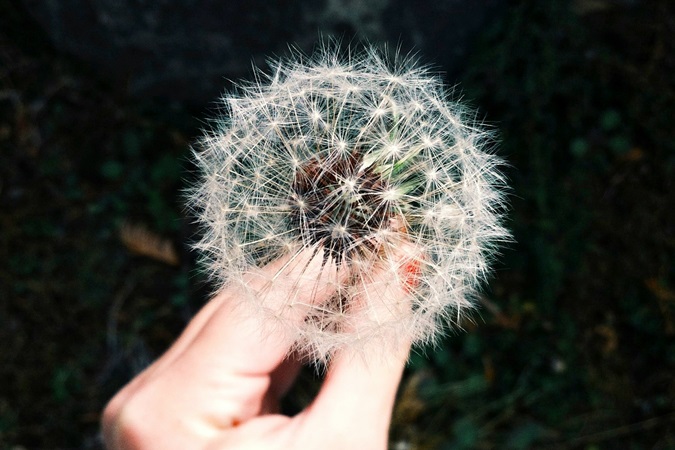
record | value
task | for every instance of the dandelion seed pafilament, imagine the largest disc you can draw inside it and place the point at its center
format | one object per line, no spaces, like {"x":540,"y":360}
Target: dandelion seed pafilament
{"x":352,"y":157}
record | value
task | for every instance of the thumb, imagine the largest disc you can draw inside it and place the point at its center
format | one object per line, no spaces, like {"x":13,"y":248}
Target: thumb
{"x":360,"y":387}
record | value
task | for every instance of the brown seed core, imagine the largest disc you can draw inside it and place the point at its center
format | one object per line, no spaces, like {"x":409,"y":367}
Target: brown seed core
{"x":338,"y":205}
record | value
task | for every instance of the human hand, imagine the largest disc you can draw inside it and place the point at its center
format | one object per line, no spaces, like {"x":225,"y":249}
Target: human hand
{"x":220,"y":383}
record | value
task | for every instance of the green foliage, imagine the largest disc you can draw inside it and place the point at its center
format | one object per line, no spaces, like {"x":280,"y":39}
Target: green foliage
{"x":80,"y":312}
{"x":573,"y":327}
{"x":574,"y":343}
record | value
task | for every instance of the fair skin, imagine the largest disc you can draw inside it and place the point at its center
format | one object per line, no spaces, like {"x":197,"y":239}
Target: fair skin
{"x":218,"y":386}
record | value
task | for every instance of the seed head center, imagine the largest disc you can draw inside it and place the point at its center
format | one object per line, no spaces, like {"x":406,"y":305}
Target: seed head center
{"x":338,"y":205}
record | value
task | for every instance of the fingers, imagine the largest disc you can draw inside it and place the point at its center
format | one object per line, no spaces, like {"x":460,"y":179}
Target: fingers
{"x":246,"y":334}
{"x":226,"y":366}
{"x":193,"y":328}
{"x":360,"y":386}
{"x":224,"y":369}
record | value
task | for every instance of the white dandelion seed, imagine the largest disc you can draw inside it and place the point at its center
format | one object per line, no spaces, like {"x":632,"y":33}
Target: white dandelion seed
{"x":354,"y":157}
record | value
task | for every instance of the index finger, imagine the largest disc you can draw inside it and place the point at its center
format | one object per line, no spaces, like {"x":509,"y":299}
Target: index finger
{"x":248,"y":332}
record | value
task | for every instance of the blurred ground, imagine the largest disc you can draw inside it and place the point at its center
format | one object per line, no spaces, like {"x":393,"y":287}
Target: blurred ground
{"x":574,"y":347}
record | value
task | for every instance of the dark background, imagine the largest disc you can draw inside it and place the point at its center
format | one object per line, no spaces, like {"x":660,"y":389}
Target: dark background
{"x":574,"y":343}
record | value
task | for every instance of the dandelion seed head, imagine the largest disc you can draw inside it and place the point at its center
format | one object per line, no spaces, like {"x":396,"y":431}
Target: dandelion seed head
{"x":355,"y":156}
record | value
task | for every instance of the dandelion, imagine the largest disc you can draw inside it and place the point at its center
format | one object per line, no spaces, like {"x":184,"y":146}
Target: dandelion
{"x":354,"y":157}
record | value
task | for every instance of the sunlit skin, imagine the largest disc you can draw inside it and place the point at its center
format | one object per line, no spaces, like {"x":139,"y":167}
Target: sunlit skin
{"x":219,"y":385}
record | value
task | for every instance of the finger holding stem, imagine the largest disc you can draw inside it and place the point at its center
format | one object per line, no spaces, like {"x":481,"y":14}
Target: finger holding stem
{"x":361,"y":384}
